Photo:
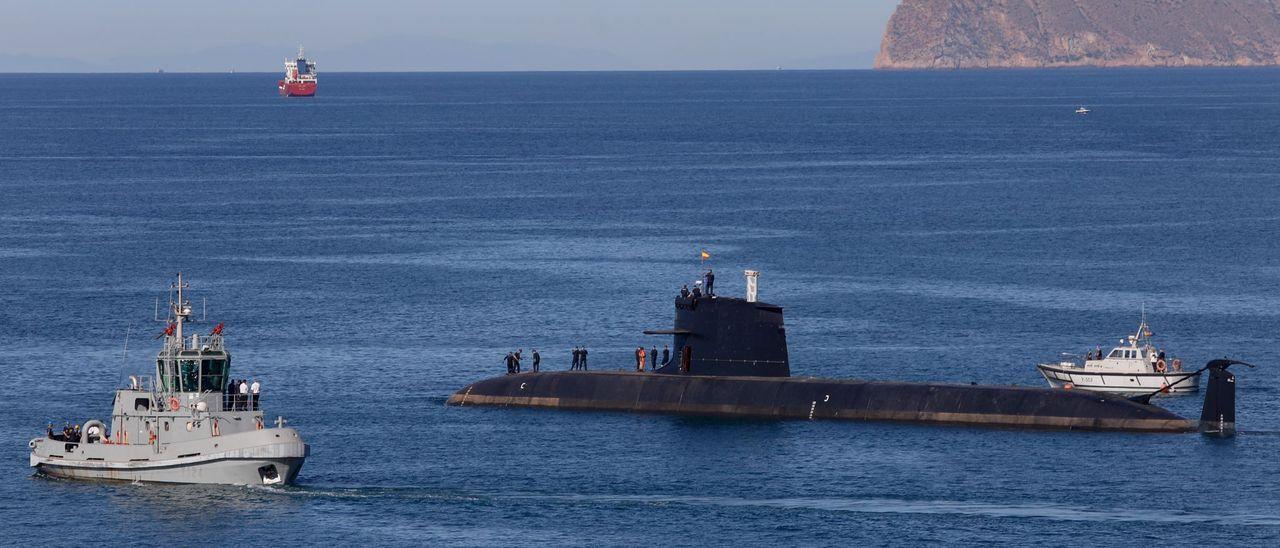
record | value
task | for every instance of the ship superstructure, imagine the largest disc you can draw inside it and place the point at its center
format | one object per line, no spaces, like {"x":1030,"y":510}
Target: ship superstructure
{"x":299,"y":76}
{"x":185,"y":424}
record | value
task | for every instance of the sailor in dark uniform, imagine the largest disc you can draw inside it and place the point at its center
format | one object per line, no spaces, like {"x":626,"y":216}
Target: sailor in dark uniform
{"x":518,"y":359}
{"x":537,"y":359}
{"x":583,"y":365}
{"x":711,"y":280}
{"x":666,"y":354}
{"x":653,"y":357}
{"x":697,"y":291}
{"x":574,"y":367}
{"x":511,"y":363}
{"x":684,"y":292}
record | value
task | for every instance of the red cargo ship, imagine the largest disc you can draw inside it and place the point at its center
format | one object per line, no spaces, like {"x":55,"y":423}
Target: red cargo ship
{"x":299,"y":77}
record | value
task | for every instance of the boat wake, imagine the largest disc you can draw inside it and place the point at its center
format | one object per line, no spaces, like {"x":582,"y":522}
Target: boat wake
{"x":1029,"y":510}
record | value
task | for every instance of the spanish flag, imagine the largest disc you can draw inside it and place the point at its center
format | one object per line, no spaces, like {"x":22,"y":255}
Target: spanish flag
{"x":705,"y":255}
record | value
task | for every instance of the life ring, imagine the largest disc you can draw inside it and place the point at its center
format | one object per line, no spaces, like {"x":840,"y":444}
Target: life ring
{"x":1160,"y":366}
{"x":214,"y":425}
{"x":1068,"y":386}
{"x":151,"y":437}
{"x":173,"y":403}
{"x":259,"y":423}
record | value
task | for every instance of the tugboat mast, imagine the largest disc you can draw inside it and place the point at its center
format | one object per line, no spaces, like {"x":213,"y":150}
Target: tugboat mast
{"x":180,"y":309}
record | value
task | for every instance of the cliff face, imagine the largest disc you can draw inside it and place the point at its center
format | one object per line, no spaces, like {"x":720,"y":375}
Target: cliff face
{"x":944,"y":34}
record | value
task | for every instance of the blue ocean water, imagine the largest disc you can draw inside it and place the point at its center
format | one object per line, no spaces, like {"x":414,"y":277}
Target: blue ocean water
{"x":380,"y":245}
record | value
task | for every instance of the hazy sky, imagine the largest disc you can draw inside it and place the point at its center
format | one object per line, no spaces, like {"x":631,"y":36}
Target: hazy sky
{"x":177,"y":35}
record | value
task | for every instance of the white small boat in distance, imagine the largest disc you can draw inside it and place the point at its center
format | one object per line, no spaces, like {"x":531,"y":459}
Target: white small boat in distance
{"x":1135,"y":367}
{"x":1082,"y":110}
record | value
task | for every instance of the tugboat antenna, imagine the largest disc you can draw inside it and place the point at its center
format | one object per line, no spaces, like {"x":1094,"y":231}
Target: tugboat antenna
{"x":124,"y":356}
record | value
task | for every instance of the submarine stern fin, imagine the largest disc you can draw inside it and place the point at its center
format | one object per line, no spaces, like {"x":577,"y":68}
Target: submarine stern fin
{"x":1218,"y":417}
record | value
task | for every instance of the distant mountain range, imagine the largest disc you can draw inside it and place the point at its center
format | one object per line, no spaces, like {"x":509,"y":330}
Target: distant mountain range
{"x":952,"y":34}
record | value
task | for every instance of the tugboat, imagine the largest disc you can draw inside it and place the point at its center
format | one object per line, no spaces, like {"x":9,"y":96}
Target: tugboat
{"x":1134,"y":367}
{"x":185,"y":425}
{"x":299,"y":77}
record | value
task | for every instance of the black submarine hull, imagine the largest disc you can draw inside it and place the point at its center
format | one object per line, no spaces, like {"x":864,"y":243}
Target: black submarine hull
{"x":809,"y":398}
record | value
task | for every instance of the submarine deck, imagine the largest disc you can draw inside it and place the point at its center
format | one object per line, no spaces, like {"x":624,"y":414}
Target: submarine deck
{"x":814,"y":398}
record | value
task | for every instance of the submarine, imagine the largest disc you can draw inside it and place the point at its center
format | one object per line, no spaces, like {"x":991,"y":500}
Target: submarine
{"x":730,"y":360}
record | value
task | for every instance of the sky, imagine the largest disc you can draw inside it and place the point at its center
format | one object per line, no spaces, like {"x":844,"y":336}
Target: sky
{"x":381,"y":35}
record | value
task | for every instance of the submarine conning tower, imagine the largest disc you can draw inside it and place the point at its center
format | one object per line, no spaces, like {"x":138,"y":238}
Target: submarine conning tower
{"x":726,"y":336}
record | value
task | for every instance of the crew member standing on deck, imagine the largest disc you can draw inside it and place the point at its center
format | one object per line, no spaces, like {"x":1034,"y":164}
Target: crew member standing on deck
{"x":653,"y":357}
{"x":537,"y":360}
{"x":511,"y":364}
{"x":518,"y":359}
{"x":576,"y":358}
{"x":584,"y":358}
{"x":697,"y":290}
{"x":666,"y":355}
{"x":640,"y":359}
{"x":711,"y":280}
{"x":244,"y":394}
{"x":254,"y":389}
{"x":684,"y":291}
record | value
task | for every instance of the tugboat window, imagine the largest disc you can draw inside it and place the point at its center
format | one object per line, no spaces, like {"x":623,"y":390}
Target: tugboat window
{"x":213,"y":375}
{"x":190,"y":372}
{"x":166,"y":380}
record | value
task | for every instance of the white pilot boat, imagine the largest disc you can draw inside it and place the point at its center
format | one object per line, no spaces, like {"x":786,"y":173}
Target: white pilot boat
{"x":1082,"y":111}
{"x":1134,"y":367}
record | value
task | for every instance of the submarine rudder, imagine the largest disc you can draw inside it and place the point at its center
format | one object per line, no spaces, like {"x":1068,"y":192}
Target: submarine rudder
{"x":1218,"y":416}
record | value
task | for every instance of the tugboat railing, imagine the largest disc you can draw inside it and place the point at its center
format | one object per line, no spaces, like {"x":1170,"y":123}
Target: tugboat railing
{"x":205,"y":343}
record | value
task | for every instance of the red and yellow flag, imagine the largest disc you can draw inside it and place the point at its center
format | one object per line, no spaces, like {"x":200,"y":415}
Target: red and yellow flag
{"x":705,"y":255}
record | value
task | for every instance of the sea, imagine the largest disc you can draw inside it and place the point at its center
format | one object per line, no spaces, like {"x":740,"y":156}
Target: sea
{"x":381,"y":245}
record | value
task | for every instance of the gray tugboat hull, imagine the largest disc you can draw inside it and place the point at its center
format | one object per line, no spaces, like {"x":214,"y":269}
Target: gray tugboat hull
{"x":271,"y":456}
{"x":214,"y":471}
{"x":811,"y":399}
